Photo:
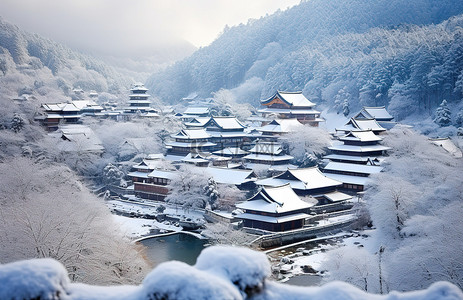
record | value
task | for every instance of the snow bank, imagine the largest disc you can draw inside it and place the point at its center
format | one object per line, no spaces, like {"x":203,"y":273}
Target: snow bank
{"x":33,"y":279}
{"x":245,"y":268}
{"x":220,"y":273}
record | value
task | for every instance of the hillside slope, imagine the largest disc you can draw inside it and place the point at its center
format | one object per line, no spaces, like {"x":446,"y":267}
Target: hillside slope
{"x":362,"y":51}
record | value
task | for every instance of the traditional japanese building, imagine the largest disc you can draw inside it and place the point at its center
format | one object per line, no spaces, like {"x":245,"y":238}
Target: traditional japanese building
{"x":361,"y":125}
{"x":59,"y":113}
{"x":274,"y":209}
{"x":190,"y":141}
{"x":138,"y":100}
{"x":237,"y":177}
{"x":288,"y":105}
{"x":355,"y":159}
{"x":151,"y":185}
{"x":268,"y":153}
{"x":380,"y":114}
{"x":357,"y":147}
{"x":278,"y":127}
{"x":305,"y":181}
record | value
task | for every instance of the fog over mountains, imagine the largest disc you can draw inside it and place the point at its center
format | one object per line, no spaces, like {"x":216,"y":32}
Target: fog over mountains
{"x":379,"y":52}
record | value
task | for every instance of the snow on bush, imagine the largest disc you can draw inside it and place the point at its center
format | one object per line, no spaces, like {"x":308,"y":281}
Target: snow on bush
{"x":245,"y":268}
{"x":33,"y":279}
{"x":177,"y":280}
{"x":220,"y":273}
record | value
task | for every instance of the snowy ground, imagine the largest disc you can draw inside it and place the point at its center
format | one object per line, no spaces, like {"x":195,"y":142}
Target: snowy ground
{"x":138,"y":227}
{"x":313,"y":255}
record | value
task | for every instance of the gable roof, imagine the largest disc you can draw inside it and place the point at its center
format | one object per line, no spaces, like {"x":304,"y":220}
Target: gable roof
{"x":379,"y":113}
{"x":290,"y":98}
{"x":225,"y":123}
{"x":353,"y":168}
{"x":281,"y":126}
{"x":192,"y":134}
{"x":279,"y":199}
{"x":361,"y":136}
{"x":267,"y":148}
{"x":362,"y":124}
{"x":197,"y":110}
{"x":301,"y":179}
{"x":231,"y":176}
{"x":198,"y":122}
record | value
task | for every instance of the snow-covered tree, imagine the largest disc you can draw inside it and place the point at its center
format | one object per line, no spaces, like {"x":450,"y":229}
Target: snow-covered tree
{"x":46,"y":212}
{"x":306,"y":142}
{"x":211,"y":190}
{"x":187,"y":188}
{"x":112,"y":175}
{"x":345,"y":108}
{"x":459,"y":119}
{"x":443,"y":115}
{"x":224,"y":234}
{"x":17,"y":123}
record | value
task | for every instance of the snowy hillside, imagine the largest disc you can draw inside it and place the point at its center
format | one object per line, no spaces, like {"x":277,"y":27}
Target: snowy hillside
{"x":370,"y":52}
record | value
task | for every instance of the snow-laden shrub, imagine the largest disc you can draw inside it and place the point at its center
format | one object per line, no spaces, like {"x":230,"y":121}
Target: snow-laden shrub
{"x":245,"y":268}
{"x":34,"y":279}
{"x":177,"y":280}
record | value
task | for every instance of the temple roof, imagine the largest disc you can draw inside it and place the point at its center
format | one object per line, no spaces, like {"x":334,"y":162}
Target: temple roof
{"x":293,"y":99}
{"x":279,"y":199}
{"x":379,"y":113}
{"x":301,"y":179}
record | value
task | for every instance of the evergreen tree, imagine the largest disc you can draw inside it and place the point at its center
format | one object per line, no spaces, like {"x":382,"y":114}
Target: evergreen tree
{"x":345,"y":108}
{"x":17,"y":123}
{"x":443,"y":115}
{"x":459,"y":119}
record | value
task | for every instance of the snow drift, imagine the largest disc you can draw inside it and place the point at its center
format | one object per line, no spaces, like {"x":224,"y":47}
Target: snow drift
{"x":220,"y":273}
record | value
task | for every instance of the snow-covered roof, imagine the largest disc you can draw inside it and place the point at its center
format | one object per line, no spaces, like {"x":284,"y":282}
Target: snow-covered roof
{"x":337,"y":196}
{"x":281,"y":199}
{"x":359,"y":149}
{"x":226,"y":123}
{"x":138,"y":174}
{"x":75,"y":137}
{"x":192,"y":134}
{"x":198,"y":122}
{"x":362,"y":124}
{"x":267,"y":148}
{"x":349,"y":179}
{"x":361,"y":136}
{"x":348,"y":157}
{"x":190,"y":145}
{"x":301,"y":179}
{"x":268,"y":157}
{"x":162,"y":174}
{"x":230,"y":151}
{"x":291,"y":98}
{"x":281,"y":126}
{"x":196,"y":111}
{"x":275,"y":220}
{"x":138,"y":86}
{"x":379,"y":113}
{"x":289,"y":111}
{"x":194,"y":158}
{"x":231,"y":176}
{"x":81,"y":104}
{"x":353,"y":168}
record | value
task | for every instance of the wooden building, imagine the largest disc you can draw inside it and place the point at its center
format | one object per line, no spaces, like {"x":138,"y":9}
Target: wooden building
{"x":190,"y":141}
{"x":288,"y":105}
{"x":274,"y":209}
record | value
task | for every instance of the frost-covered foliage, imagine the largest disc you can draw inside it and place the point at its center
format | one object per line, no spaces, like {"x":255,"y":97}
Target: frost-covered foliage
{"x":220,"y":273}
{"x":45,"y":212}
{"x":17,"y":123}
{"x":415,"y":206}
{"x":443,"y":115}
{"x":112,"y":175}
{"x":188,"y":188}
{"x":225,"y":104}
{"x":334,"y":48}
{"x":306,"y":144}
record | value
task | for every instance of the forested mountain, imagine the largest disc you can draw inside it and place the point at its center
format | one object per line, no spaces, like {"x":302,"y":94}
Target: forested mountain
{"x":375,"y":52}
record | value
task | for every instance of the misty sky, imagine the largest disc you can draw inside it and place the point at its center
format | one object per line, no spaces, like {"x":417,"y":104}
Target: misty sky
{"x":130,"y":27}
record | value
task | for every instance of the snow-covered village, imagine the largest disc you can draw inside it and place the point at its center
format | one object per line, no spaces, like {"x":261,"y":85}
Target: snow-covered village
{"x":282,"y":149}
